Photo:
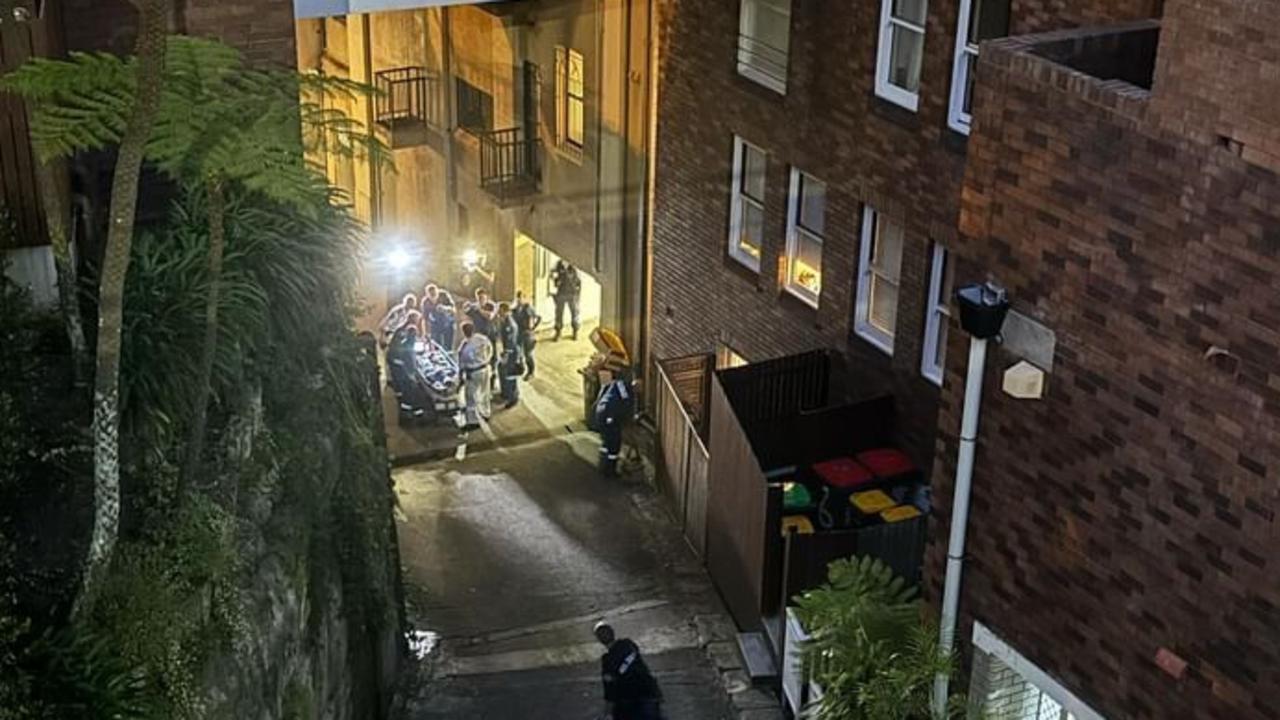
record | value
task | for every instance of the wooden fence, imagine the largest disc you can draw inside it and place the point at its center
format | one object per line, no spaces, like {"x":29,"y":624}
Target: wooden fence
{"x":20,"y":42}
{"x":684,"y":459}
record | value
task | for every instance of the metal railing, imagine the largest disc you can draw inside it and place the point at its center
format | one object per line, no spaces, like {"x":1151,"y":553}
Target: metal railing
{"x":761,"y":61}
{"x":510,"y":162}
{"x":409,"y":94}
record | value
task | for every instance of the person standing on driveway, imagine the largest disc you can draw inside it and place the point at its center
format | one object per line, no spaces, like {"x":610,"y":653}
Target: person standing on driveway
{"x":527,"y":322}
{"x":567,"y":291}
{"x":614,"y":408}
{"x":474,"y":357}
{"x":511,"y":364}
{"x":630,"y":690}
{"x":443,"y":320}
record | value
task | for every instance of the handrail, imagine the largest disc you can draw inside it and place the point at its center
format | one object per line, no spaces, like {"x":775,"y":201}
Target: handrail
{"x":509,"y":162}
{"x":408,"y":94}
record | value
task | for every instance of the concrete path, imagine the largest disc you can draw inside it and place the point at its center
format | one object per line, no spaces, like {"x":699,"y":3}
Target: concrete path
{"x":511,"y":556}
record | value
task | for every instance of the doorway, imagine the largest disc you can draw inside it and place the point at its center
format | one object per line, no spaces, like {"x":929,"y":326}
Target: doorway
{"x":534,"y":265}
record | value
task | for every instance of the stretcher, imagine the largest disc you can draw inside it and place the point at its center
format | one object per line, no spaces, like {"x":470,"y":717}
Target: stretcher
{"x":426,"y":380}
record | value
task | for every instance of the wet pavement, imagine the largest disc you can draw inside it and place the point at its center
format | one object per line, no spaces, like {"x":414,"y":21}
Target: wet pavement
{"x":512,"y":554}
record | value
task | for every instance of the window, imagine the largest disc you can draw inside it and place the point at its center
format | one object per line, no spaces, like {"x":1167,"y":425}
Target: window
{"x":805,"y":214}
{"x":570,"y":99}
{"x":879,"y":272}
{"x":746,"y":204}
{"x":727,"y":357}
{"x":475,"y":108}
{"x":937,"y":316}
{"x":1004,"y":685}
{"x":901,"y":51}
{"x":979,"y":20}
{"x":764,"y":38}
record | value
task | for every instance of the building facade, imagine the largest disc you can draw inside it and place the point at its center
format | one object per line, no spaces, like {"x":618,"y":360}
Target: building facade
{"x":809,"y":166}
{"x":1122,"y":184}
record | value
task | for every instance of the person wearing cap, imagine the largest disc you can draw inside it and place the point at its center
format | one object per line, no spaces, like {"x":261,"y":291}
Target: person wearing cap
{"x":630,"y":690}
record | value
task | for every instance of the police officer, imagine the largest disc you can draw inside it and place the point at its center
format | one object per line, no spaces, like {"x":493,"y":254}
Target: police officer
{"x":527,"y":321}
{"x":614,"y":407}
{"x":630,"y":690}
{"x":567,"y":290}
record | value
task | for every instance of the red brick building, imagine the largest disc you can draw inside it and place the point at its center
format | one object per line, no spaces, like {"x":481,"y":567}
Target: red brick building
{"x":808,"y":90}
{"x":1120,"y":179}
{"x":1121,"y":182}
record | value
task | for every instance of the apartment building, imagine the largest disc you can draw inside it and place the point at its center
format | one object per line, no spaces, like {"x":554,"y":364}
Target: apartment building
{"x":809,"y":166}
{"x":1122,"y":184}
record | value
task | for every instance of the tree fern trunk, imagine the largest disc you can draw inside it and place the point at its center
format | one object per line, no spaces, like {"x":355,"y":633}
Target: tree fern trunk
{"x":57,"y":210}
{"x":217,"y":240}
{"x":153,"y":22}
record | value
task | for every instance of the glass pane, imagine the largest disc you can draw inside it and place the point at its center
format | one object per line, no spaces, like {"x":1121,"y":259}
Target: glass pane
{"x":910,"y":10}
{"x":908,"y":52}
{"x":765,"y":36}
{"x":969,"y":60}
{"x":576,"y":82}
{"x":940,"y":345}
{"x":813,"y":202}
{"x":806,"y":265}
{"x":887,"y":257}
{"x":574,"y":129}
{"x":884,"y":304}
{"x":753,"y":168}
{"x":752,"y":229}
{"x":989,"y":19}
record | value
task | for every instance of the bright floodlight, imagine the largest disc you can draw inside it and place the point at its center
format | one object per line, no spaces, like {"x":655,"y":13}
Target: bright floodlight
{"x":471,"y":258}
{"x":399,"y":258}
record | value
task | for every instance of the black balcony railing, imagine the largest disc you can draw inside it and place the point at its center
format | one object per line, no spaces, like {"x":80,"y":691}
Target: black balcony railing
{"x":510,"y":163}
{"x":762,"y":62}
{"x":408,"y":96}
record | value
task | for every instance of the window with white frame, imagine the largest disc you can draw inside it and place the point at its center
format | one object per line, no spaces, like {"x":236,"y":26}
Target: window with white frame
{"x":764,"y":39}
{"x":901,"y":51}
{"x":879,"y":275}
{"x":979,"y":20}
{"x":806,"y":211}
{"x":746,"y":204}
{"x":937,"y":315}
{"x":570,"y":99}
{"x":1005,"y":685}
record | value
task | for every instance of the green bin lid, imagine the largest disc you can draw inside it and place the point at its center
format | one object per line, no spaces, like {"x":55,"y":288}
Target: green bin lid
{"x":795,"y":495}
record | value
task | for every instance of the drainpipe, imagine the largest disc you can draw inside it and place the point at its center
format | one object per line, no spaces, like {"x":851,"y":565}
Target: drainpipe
{"x":447,"y":87}
{"x":982,"y":312}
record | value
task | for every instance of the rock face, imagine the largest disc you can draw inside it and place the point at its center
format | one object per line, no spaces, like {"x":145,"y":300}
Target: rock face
{"x":320,"y":633}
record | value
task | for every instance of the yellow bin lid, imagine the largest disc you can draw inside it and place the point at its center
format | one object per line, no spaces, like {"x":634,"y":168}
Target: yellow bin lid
{"x":871,"y":501}
{"x":900,"y":513}
{"x":797,"y":524}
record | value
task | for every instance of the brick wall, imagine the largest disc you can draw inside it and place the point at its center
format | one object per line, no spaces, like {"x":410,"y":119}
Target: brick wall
{"x":262,"y":29}
{"x":1133,"y":508}
{"x":1242,"y":39}
{"x":830,"y":124}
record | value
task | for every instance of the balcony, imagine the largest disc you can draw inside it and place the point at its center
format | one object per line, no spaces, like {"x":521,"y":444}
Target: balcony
{"x":409,"y":105}
{"x":510,"y":164}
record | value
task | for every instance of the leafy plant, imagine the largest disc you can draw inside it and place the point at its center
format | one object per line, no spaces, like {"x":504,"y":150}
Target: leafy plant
{"x":869,"y":650}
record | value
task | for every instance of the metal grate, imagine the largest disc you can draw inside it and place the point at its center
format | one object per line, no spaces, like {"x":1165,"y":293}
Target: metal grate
{"x":998,"y":692}
{"x":409,"y":94}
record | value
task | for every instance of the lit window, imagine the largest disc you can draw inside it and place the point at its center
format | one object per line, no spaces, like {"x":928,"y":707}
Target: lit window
{"x":937,"y":316}
{"x":979,"y":20}
{"x":879,"y":274}
{"x":746,"y":204}
{"x":901,"y":51}
{"x":570,"y":99}
{"x":764,"y":36}
{"x":805,"y":215}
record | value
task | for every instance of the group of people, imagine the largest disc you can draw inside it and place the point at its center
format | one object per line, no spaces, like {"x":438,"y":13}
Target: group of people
{"x":498,"y":339}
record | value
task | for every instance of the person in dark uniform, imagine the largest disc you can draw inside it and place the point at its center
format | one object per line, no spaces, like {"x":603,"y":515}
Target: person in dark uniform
{"x":510,"y":363}
{"x":567,"y":288}
{"x":630,"y":690}
{"x":443,"y":320}
{"x":614,"y":407}
{"x":527,"y":321}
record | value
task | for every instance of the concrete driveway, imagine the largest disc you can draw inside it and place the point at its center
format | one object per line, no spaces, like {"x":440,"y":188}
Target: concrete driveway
{"x":511,"y":555}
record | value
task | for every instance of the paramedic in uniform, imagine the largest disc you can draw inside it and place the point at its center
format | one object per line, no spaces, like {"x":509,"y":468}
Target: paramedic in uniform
{"x":614,"y":407}
{"x":630,"y":690}
{"x":474,"y":358}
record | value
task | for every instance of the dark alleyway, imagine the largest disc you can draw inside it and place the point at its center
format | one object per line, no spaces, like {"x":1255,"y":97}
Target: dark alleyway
{"x":512,"y":555}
